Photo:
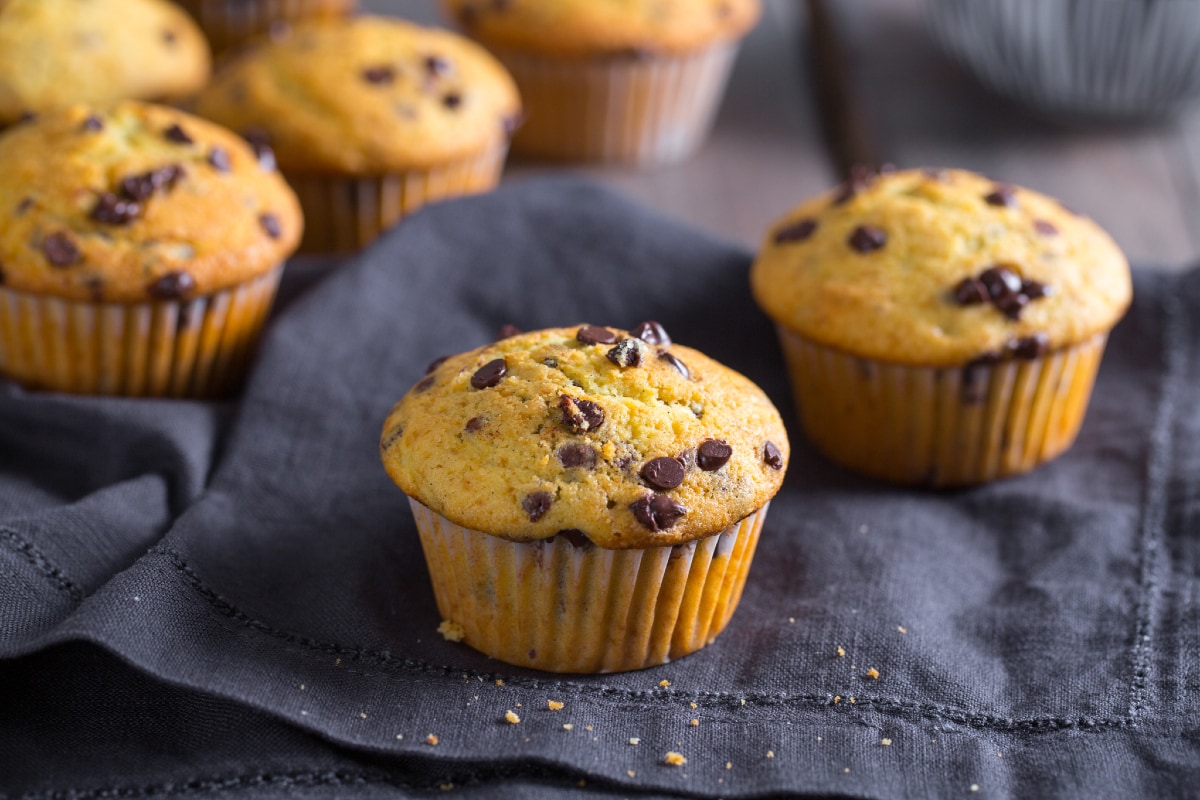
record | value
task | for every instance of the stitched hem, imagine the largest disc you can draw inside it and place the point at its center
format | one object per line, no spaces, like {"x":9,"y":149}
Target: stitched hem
{"x":40,"y":562}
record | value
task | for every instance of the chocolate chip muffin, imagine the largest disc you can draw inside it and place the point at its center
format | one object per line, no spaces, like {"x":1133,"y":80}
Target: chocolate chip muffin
{"x":370,"y":118}
{"x":57,"y":52}
{"x":140,"y":251}
{"x":613,"y":80}
{"x":589,"y":499}
{"x":229,"y":24}
{"x":940,"y":328}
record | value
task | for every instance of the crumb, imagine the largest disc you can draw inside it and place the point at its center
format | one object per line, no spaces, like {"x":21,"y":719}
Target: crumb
{"x":635,"y":741}
{"x":581,"y":784}
{"x":362,"y":715}
{"x":568,"y":726}
{"x":674,"y":759}
{"x":518,"y":705}
{"x":554,"y":705}
{"x":846,"y":770}
{"x":974,"y":787}
{"x":873,"y":674}
{"x":720,"y":780}
{"x":694,"y":722}
{"x":631,"y":773}
{"x":770,"y":754}
{"x":837,"y":698}
{"x":999,"y":755}
{"x":819,"y":739}
{"x":499,"y":682}
{"x":527,"y":738}
{"x":337,"y":662}
{"x":791,"y":620}
{"x":743,"y":701}
{"x":511,"y":717}
{"x":664,"y":683}
{"x":302,"y":687}
{"x":902,"y":629}
{"x":933,"y":741}
{"x":431,"y":740}
{"x":399,"y":735}
{"x":852,"y":701}
{"x":728,"y":765}
{"x":693,"y":705}
{"x":445,"y":787}
{"x":587,"y":727}
{"x":885,"y":742}
{"x":841,"y":651}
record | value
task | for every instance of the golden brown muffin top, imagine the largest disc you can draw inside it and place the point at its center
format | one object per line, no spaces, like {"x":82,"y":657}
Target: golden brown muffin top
{"x":623,"y":438}
{"x":614,"y":27}
{"x":366,"y":96}
{"x":137,"y":202}
{"x":54,"y":53}
{"x":938,"y":268}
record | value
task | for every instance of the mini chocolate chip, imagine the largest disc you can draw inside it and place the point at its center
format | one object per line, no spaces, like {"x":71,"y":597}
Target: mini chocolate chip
{"x":60,"y":250}
{"x":712,"y":454}
{"x":577,"y":455}
{"x":424,"y":384}
{"x":867,"y":239}
{"x":177,"y":134}
{"x":771,"y":456}
{"x":172,"y":286}
{"x":489,"y":374}
{"x":594,"y":334}
{"x":436,"y":65}
{"x":260,"y":142}
{"x":452,"y":100}
{"x":1000,"y":281}
{"x":1045,"y":228}
{"x":270,"y":225}
{"x":379,"y":75}
{"x":142,"y":187}
{"x":658,"y":512}
{"x":679,"y":366}
{"x":796,"y":231}
{"x":507,"y":331}
{"x":1011,"y":304}
{"x":113,"y":210}
{"x":92,"y":124}
{"x":970,"y":291}
{"x":627,"y":353}
{"x":474,"y":425}
{"x":536,"y":504}
{"x":1035,"y":290}
{"x":1002,"y":195}
{"x":652,"y":332}
{"x":1030,"y":347}
{"x":663,"y":474}
{"x":437,"y":362}
{"x":218,"y":159}
{"x":575,"y":537}
{"x":580,"y":416}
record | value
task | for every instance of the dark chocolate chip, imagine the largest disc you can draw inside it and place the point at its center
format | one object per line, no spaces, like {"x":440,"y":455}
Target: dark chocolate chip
{"x":474,"y":425}
{"x":113,"y":210}
{"x":436,"y":65}
{"x":867,"y":239}
{"x":970,"y":291}
{"x":177,"y":134}
{"x":679,"y":366}
{"x":712,"y":454}
{"x":577,"y":455}
{"x":437,"y":362}
{"x":652,"y":332}
{"x":142,"y":187}
{"x":1030,"y":347}
{"x":489,"y":374}
{"x":218,"y":159}
{"x":60,"y":250}
{"x":379,"y":75}
{"x":92,"y":124}
{"x":580,"y":416}
{"x":270,"y":225}
{"x":424,"y":384}
{"x":1000,"y":281}
{"x":627,"y":353}
{"x":390,"y":438}
{"x":1045,"y":228}
{"x":452,"y":100}
{"x":576,"y":538}
{"x":172,"y":286}
{"x":1011,"y":304}
{"x":663,"y":474}
{"x":1002,"y":195}
{"x":594,"y":334}
{"x":771,"y":456}
{"x":260,"y":142}
{"x":796,"y":231}
{"x":1035,"y":290}
{"x":507,"y":331}
{"x":658,"y":512}
{"x":536,"y":504}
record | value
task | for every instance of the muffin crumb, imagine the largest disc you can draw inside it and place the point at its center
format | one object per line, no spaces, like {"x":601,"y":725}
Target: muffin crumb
{"x":511,"y":717}
{"x":554,"y":705}
{"x":674,"y":759}
{"x":873,"y":674}
{"x":431,"y":740}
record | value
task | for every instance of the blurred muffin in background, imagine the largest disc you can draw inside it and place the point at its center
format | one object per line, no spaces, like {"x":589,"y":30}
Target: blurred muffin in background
{"x":370,"y":118}
{"x":636,"y":81}
{"x":229,"y":24}
{"x":57,"y":52}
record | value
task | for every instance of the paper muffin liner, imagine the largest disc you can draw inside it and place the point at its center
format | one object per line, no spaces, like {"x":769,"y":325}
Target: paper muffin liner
{"x":343,"y":214}
{"x":230,"y":23}
{"x":554,"y":606}
{"x":656,"y":109}
{"x":186,"y":348}
{"x":941,"y":426}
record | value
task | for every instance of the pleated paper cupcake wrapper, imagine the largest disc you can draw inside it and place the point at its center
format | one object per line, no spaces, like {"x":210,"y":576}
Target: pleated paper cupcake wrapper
{"x":553,"y":606}
{"x":230,"y":23}
{"x":941,"y":426}
{"x":188,"y":348}
{"x":648,"y":110}
{"x":345,"y":214}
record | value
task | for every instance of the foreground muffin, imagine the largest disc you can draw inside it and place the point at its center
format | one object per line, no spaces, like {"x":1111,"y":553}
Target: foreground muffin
{"x":54,"y":53}
{"x":940,"y":328}
{"x":370,"y":118}
{"x":229,"y":24}
{"x":588,"y":499}
{"x":613,"y":80}
{"x":140,"y":251}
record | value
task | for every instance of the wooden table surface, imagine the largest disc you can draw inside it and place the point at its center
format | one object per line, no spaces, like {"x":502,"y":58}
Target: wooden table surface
{"x":768,"y":153}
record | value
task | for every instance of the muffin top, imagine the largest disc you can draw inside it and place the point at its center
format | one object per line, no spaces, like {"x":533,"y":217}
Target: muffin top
{"x":614,"y":27}
{"x":366,"y":96}
{"x":57,"y":52}
{"x":939,"y":268}
{"x":137,"y":202}
{"x":620,"y":437}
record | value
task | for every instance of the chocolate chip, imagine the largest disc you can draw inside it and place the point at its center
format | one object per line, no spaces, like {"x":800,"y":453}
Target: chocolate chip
{"x":576,"y":538}
{"x":177,"y":134}
{"x":712,"y":454}
{"x":436,"y":65}
{"x":658,"y":512}
{"x":507,"y":331}
{"x":1045,"y":228}
{"x":867,"y":239}
{"x":627,"y":353}
{"x":172,"y":286}
{"x":424,"y":384}
{"x":60,"y":250}
{"x":1011,"y":304}
{"x":489,"y":374}
{"x":594,"y":334}
{"x":260,"y":142}
{"x":218,"y":159}
{"x":26,"y":116}
{"x":796,"y":231}
{"x":536,"y":504}
{"x":92,"y":124}
{"x":1000,"y":281}
{"x":1002,"y":195}
{"x":113,"y":210}
{"x":577,"y":455}
{"x":379,"y":75}
{"x":679,"y":366}
{"x":474,"y":425}
{"x":1030,"y":347}
{"x":437,"y":362}
{"x":970,"y":291}
{"x":652,"y":332}
{"x":270,"y":225}
{"x":580,"y":416}
{"x":142,"y":187}
{"x":771,"y":456}
{"x":663,"y":474}
{"x":452,"y":100}
{"x":1034,"y":290}
{"x":168,"y":37}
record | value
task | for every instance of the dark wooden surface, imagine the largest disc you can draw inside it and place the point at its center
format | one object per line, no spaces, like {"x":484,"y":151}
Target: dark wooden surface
{"x":768,"y":150}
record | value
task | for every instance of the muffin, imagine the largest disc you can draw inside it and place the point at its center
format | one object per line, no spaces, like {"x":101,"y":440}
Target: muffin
{"x":54,"y":53}
{"x":229,"y":24}
{"x":140,"y":251}
{"x":634,"y":81}
{"x":370,"y":119}
{"x":940,"y":328}
{"x":588,"y":499}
